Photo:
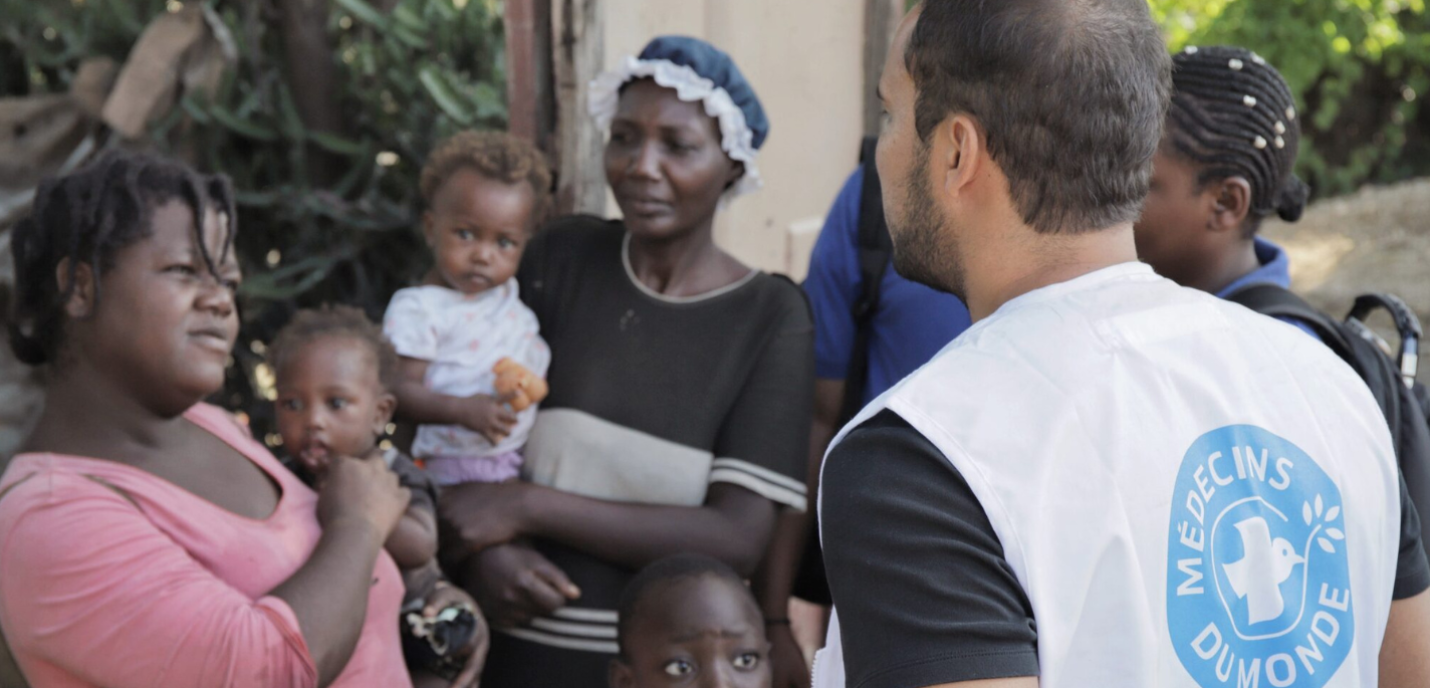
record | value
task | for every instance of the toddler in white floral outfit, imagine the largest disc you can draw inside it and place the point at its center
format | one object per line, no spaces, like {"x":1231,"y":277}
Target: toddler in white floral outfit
{"x":485,"y":193}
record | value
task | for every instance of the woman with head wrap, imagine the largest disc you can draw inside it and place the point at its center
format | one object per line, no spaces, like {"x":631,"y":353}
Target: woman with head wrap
{"x":680,"y":380}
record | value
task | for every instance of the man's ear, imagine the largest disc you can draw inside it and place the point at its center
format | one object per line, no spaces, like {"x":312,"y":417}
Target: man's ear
{"x":386,"y":406}
{"x":1232,"y":204}
{"x":957,"y":148}
{"x":620,"y":674}
{"x":80,"y":303}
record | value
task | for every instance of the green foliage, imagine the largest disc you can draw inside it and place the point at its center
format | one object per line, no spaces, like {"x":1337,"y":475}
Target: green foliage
{"x":41,"y":41}
{"x":1357,"y":68}
{"x":324,"y":216}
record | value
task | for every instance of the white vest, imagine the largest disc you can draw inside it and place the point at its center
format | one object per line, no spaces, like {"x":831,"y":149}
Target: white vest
{"x":1190,"y":494}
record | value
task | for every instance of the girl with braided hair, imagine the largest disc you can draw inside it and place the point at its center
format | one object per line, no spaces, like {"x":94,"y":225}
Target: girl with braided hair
{"x":148,"y":540}
{"x":1224,"y":165}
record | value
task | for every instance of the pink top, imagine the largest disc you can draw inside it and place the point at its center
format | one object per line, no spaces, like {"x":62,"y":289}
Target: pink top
{"x":97,"y":592}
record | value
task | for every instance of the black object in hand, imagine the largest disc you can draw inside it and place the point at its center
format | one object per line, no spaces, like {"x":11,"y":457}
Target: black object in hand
{"x":439,"y":643}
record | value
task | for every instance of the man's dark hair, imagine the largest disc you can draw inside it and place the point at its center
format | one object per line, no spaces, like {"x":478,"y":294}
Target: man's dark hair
{"x":312,"y":324}
{"x":1071,"y":95}
{"x":668,"y":571}
{"x":86,"y":217}
{"x":1233,"y":115}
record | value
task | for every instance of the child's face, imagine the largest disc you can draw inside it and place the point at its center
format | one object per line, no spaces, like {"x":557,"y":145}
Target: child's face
{"x":331,"y":401}
{"x":698,"y":632}
{"x":477,"y":229}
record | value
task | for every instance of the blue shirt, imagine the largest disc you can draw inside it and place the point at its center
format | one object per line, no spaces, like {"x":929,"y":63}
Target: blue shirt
{"x":911,"y":322}
{"x":1275,"y":269}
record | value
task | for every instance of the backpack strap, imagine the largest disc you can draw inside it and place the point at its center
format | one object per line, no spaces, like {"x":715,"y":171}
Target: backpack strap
{"x":875,"y":251}
{"x":1365,"y":358}
{"x":1403,"y":413}
{"x":1407,"y":324}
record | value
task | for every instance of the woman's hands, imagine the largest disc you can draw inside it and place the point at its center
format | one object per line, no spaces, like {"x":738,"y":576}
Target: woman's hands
{"x":362,"y":490}
{"x":482,"y":515}
{"x":359,"y":504}
{"x":514,"y":584}
{"x":447,"y":595}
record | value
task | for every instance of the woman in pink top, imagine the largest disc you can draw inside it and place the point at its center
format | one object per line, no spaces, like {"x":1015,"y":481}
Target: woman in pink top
{"x":145,"y":540}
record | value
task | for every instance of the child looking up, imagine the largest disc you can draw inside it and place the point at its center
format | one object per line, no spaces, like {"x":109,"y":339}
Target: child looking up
{"x":485,"y":193}
{"x":333,"y":371}
{"x":689,"y":620}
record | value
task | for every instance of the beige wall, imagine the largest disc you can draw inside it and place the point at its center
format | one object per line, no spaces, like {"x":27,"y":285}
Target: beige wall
{"x":805,"y":59}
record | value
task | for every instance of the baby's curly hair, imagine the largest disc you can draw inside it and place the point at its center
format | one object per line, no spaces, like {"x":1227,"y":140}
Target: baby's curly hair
{"x":495,"y":155}
{"x":310,"y":325}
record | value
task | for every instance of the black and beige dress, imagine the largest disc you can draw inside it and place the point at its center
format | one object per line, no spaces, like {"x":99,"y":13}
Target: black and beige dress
{"x":653,"y":399}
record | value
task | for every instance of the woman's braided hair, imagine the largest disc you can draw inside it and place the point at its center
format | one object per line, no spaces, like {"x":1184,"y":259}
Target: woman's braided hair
{"x":1234,"y":116}
{"x":86,"y":217}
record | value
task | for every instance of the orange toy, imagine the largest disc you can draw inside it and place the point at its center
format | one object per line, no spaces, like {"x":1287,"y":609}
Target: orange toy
{"x":525,"y":388}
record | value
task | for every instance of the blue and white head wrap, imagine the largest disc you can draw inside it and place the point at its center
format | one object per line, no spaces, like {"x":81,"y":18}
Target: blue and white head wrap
{"x":696,"y":71}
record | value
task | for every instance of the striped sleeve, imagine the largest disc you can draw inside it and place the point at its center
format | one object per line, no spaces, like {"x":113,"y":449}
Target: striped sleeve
{"x":773,"y":486}
{"x":573,"y":628}
{"x":764,"y":443}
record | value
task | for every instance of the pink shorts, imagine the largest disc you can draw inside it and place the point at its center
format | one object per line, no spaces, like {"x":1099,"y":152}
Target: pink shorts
{"x":455,"y":470}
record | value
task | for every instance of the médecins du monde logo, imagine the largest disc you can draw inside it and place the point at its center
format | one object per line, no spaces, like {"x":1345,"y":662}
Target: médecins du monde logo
{"x":1258,"y":581}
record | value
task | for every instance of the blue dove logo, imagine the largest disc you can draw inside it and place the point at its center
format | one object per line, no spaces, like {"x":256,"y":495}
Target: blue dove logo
{"x":1258,"y":581}
{"x":1259,"y":574}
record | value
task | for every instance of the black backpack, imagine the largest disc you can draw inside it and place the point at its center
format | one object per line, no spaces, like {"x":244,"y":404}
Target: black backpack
{"x":875,"y":251}
{"x":1390,"y":376}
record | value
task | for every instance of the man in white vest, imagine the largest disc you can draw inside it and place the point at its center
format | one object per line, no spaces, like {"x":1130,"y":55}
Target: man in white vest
{"x":1109,"y":480}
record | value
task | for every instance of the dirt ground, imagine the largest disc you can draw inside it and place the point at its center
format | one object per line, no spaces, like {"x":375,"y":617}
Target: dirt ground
{"x":1377,"y":239}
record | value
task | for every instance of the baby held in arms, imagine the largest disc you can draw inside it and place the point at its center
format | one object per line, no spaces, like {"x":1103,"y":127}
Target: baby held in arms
{"x":473,"y":361}
{"x":334,"y":371}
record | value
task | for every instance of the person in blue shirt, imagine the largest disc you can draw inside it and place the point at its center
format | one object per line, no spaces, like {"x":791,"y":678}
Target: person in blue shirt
{"x":910,"y":323}
{"x":1225,"y":164}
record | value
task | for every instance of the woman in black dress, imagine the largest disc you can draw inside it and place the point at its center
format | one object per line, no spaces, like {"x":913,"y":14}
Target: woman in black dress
{"x":680,"y":406}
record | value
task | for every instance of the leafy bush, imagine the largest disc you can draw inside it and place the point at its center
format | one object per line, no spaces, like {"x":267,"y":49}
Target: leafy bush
{"x":1357,"y":67}
{"x":408,"y":77}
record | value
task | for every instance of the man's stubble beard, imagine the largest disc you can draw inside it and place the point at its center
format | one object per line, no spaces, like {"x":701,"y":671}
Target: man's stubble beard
{"x":923,"y":236}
